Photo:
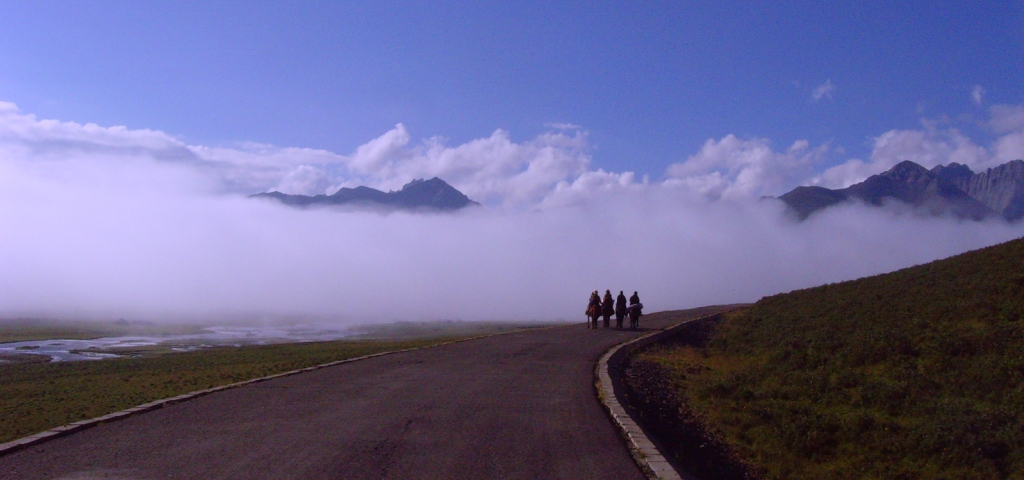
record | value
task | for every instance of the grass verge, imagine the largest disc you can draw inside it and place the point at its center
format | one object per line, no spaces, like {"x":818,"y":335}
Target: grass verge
{"x":36,"y":397}
{"x":914,"y":374}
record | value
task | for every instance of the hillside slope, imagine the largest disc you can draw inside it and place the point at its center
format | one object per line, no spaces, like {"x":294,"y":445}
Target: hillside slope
{"x":913,"y":374}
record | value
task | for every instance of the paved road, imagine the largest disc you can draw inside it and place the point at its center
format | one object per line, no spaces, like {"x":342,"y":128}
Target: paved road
{"x":520,"y":405}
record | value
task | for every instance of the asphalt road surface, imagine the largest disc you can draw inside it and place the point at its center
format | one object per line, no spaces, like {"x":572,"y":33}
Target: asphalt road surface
{"x":519,"y":405}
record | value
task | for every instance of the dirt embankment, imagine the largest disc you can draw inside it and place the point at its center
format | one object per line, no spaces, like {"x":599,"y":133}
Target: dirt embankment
{"x":648,"y":394}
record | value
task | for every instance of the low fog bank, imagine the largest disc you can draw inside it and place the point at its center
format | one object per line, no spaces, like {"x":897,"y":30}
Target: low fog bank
{"x":93,"y":240}
{"x":111,"y":222}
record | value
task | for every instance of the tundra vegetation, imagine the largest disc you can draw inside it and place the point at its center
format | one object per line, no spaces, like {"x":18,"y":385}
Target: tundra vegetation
{"x":914,"y":374}
{"x":24,"y":329}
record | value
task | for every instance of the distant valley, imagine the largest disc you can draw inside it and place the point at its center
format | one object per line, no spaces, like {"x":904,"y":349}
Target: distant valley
{"x":418,"y":195}
{"x":952,"y":189}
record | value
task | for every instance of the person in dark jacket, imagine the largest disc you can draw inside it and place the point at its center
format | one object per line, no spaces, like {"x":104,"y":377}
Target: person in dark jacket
{"x":620,"y":309}
{"x":635,"y":299}
{"x":607,"y":308}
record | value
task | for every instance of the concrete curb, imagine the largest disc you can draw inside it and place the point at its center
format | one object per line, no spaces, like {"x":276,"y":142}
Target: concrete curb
{"x":57,"y":432}
{"x":647,"y":456}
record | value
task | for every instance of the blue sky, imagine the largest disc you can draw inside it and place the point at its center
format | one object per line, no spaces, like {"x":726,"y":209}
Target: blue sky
{"x":649,"y":82}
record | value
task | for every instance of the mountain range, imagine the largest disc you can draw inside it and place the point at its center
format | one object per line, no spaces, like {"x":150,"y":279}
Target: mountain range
{"x":952,"y":189}
{"x":434,"y":194}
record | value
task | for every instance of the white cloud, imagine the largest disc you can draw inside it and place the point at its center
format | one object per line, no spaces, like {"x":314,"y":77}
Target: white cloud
{"x":935,"y":144}
{"x":732,"y":168}
{"x":305,"y":180}
{"x":548,"y":170}
{"x":563,"y":126}
{"x":381,"y":154}
{"x":104,"y":222}
{"x":1008,"y":147}
{"x":978,"y":95}
{"x":494,"y":170}
{"x":593,"y":184}
{"x":246,"y":168}
{"x":1006,"y":118}
{"x":845,"y":174}
{"x":825,"y":90}
{"x":251,"y":168}
{"x":928,"y":147}
{"x":76,"y":249}
{"x":49,"y":139}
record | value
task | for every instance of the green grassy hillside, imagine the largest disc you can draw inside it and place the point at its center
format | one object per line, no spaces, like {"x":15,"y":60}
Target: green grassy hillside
{"x":913,"y":374}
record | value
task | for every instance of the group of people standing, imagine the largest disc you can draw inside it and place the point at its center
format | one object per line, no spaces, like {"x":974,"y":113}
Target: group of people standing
{"x":599,"y":307}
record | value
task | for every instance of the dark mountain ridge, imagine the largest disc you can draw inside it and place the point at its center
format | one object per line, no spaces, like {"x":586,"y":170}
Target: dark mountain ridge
{"x":952,"y":189}
{"x":434,"y":194}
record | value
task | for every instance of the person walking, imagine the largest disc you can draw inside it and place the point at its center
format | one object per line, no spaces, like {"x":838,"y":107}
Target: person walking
{"x":620,"y":309}
{"x":607,"y":308}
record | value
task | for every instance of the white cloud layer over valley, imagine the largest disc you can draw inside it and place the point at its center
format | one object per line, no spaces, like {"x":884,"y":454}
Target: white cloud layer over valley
{"x":114,"y":222}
